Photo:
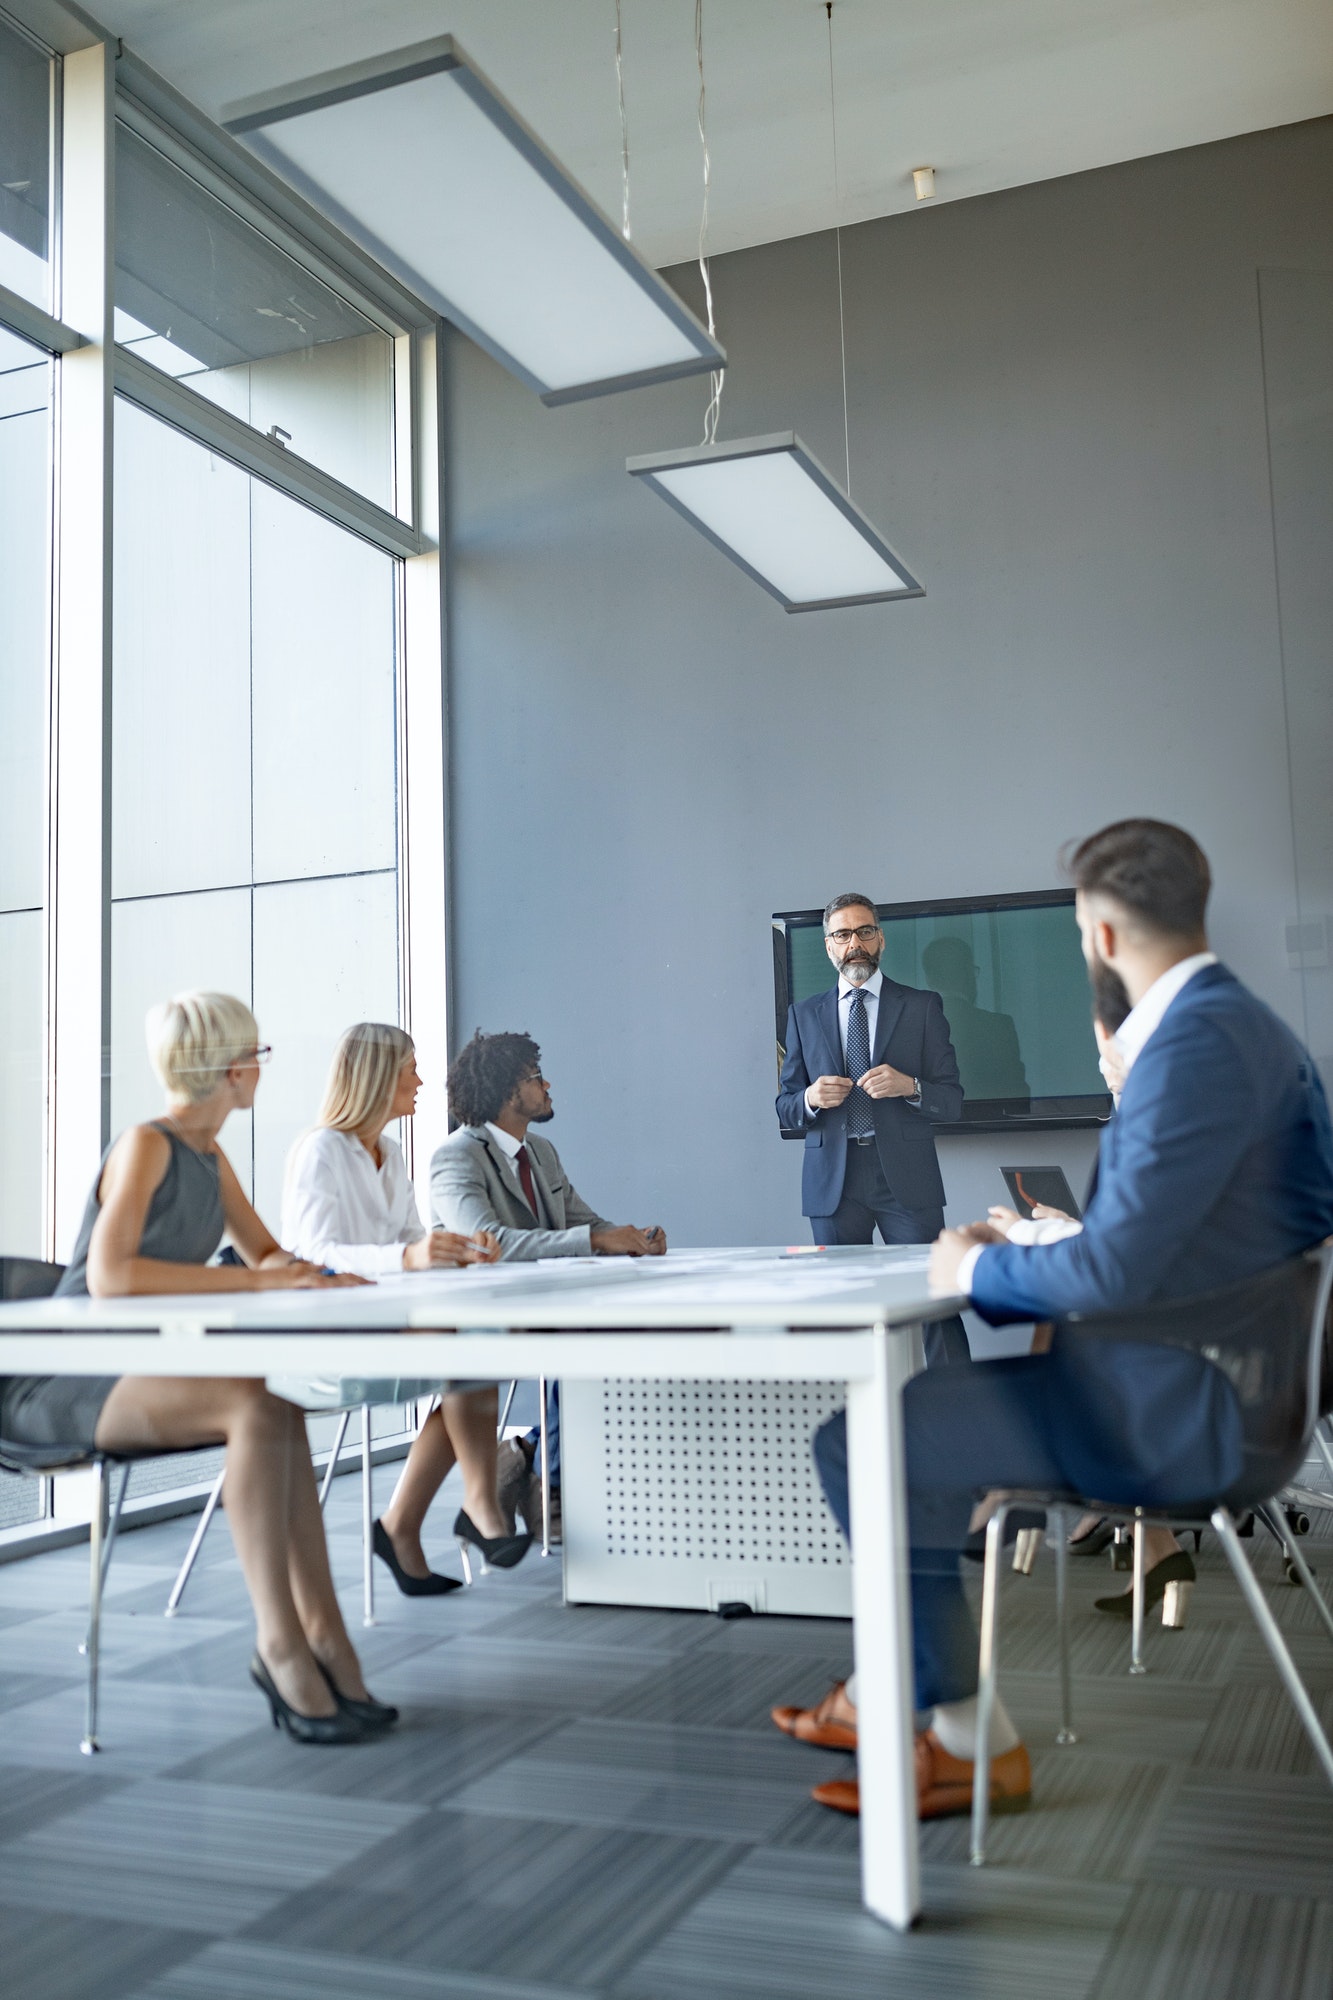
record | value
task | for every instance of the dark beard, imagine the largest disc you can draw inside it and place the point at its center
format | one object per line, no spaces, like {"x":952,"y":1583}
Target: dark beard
{"x":542,"y":1118}
{"x":1110,"y":1002}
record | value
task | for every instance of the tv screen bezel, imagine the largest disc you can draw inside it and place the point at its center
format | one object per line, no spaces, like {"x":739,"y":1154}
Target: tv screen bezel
{"x":1058,"y":1114}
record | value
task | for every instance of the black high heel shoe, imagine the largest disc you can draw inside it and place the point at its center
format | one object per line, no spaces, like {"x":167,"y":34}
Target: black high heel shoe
{"x":342,"y":1727}
{"x":371,"y":1714}
{"x":496,"y":1551}
{"x":1098,"y":1537}
{"x":411,"y":1586}
{"x":1169,"y":1582}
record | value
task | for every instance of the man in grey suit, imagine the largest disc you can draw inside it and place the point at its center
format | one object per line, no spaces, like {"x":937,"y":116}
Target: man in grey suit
{"x":507,"y":1179}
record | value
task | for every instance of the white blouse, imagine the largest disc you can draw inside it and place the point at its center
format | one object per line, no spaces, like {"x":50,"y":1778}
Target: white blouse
{"x":340,"y":1209}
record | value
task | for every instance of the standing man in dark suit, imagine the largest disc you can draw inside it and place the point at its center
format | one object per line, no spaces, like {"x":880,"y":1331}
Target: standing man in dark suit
{"x":869,"y":1067}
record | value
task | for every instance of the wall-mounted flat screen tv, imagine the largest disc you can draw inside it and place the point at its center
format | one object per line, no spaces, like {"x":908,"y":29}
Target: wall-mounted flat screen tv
{"x":1010,"y":972}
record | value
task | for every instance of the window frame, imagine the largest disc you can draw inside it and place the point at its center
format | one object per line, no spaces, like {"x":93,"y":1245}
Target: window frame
{"x":95,"y":85}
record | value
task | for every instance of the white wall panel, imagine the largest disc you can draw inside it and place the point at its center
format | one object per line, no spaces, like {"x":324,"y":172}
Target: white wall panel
{"x":324,"y":730}
{"x":166,"y":945}
{"x":24,"y":618}
{"x":326,"y":954}
{"x":21,"y":1084}
{"x":181,"y":732}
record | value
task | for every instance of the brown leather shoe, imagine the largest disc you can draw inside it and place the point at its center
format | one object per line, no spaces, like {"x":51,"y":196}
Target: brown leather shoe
{"x":944,"y":1783}
{"x":818,"y":1725}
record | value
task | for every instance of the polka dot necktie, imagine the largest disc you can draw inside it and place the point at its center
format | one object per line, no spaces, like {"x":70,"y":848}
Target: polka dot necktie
{"x":860,"y":1118}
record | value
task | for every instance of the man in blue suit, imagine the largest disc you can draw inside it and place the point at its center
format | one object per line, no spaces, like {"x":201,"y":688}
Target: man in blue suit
{"x":1218,"y":1166}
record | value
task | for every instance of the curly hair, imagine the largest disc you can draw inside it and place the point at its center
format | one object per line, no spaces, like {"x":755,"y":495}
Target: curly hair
{"x":484,"y":1075}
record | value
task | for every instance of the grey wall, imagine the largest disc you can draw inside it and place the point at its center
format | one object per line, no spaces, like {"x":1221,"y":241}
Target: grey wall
{"x":1057,"y":414}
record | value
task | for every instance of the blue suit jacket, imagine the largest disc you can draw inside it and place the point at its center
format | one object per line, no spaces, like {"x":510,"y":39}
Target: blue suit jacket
{"x":912,"y":1034}
{"x":1218,"y":1164}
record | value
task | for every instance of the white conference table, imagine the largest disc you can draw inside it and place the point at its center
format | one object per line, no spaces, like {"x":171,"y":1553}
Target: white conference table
{"x":725,"y":1315}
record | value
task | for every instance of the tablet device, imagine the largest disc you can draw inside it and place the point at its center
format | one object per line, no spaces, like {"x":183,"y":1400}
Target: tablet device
{"x":1047,"y":1185}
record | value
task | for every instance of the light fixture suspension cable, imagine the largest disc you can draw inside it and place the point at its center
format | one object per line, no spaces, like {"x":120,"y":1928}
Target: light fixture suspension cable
{"x":716,"y":378}
{"x":624,"y":134}
{"x":837,"y":233}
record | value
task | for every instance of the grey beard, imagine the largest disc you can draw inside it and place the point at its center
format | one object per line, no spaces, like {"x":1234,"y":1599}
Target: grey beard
{"x":858,"y":971}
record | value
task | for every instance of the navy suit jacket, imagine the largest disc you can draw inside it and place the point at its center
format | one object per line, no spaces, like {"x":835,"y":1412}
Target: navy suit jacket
{"x":1218,"y":1164}
{"x":912,"y":1034}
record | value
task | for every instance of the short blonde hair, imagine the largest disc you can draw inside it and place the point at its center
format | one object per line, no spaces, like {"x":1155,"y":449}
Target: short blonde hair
{"x":363,"y":1076}
{"x":194,"y":1038}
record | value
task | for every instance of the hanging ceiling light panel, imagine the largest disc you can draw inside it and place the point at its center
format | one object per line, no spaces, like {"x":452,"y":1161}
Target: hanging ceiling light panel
{"x":770,"y":506}
{"x":419,"y":159}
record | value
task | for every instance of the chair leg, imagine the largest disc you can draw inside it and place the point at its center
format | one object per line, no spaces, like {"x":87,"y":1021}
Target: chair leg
{"x":1136,"y":1665}
{"x":196,"y":1543}
{"x":504,"y":1414}
{"x":367,"y":1522}
{"x":96,"y":1539}
{"x":990,"y":1604}
{"x":332,"y":1466}
{"x":1225,"y":1529}
{"x":110,"y":1524}
{"x":546,"y":1467}
{"x":1060,"y":1527}
{"x":113,"y":1524}
{"x":1325,"y":1452}
{"x":1302,"y":1568}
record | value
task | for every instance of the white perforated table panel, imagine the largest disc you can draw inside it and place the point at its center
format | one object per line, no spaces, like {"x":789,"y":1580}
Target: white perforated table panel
{"x":688,"y":1494}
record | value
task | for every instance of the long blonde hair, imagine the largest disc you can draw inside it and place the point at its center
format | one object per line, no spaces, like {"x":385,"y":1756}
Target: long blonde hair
{"x":363,"y":1077}
{"x":194,"y":1039}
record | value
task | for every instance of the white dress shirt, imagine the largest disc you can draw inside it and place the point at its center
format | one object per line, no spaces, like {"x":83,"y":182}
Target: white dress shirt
{"x":872,"y":988}
{"x":341,"y":1210}
{"x":1131,"y":1038}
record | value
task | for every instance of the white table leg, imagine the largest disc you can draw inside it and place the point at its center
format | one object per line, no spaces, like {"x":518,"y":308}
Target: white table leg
{"x":882,"y":1625}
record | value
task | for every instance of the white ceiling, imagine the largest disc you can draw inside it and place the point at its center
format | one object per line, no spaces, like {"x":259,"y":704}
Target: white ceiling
{"x":992,"y":93}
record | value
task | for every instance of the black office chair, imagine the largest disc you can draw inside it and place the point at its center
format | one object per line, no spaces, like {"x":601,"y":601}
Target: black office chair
{"x":29,"y":1278}
{"x":1268,"y":1336}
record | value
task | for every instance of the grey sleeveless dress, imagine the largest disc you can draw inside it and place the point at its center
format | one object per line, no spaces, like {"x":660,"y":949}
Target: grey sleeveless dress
{"x":184,"y":1226}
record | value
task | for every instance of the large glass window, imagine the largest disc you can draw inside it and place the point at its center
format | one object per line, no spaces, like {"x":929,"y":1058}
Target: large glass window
{"x":25,"y":399}
{"x":25,"y":166}
{"x":254,"y":787}
{"x":208,"y":298}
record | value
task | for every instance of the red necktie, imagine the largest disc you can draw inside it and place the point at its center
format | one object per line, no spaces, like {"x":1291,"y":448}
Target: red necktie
{"x":525,"y":1176}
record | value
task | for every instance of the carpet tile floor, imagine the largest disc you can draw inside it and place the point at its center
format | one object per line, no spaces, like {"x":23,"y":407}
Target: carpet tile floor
{"x":591,"y":1804}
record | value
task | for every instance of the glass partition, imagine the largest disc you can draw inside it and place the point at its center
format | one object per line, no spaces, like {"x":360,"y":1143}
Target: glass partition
{"x":25,"y":402}
{"x":255,"y":781}
{"x":210,"y":300}
{"x":25,"y":166}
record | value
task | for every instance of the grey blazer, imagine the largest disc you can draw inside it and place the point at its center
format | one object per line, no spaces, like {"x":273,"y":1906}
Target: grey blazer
{"x":473,"y":1185}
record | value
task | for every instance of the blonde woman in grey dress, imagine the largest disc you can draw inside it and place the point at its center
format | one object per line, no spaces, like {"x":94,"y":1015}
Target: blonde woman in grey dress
{"x":165,"y":1195}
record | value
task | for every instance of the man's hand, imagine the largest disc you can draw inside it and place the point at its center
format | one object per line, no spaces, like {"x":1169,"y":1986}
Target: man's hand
{"x":624,"y":1240}
{"x":886,"y":1081}
{"x":948,"y":1251}
{"x":827,"y":1092}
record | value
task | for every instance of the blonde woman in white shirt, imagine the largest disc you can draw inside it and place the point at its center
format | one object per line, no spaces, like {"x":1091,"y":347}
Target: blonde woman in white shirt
{"x":348,"y":1204}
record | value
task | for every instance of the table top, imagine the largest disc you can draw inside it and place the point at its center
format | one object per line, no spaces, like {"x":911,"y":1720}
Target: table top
{"x":728,"y":1313}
